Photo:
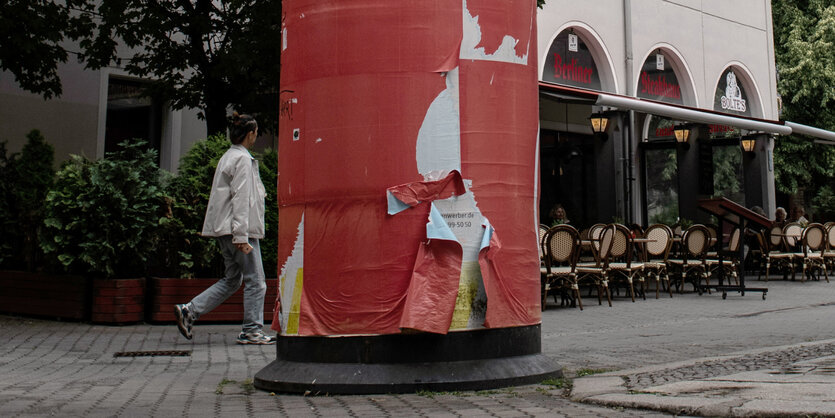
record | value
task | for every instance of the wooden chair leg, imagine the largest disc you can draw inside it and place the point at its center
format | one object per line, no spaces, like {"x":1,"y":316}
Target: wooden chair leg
{"x":707,"y":281}
{"x":608,"y":292}
{"x":599,"y":293}
{"x":657,"y":283}
{"x":577,"y":295}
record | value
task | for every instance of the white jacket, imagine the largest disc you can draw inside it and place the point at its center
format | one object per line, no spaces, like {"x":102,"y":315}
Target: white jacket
{"x":236,"y":204}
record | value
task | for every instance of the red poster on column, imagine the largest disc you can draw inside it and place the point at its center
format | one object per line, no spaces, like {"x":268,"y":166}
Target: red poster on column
{"x":381,"y":101}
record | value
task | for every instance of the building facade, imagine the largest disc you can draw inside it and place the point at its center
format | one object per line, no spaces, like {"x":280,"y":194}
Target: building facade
{"x":98,"y":109}
{"x":709,"y":59}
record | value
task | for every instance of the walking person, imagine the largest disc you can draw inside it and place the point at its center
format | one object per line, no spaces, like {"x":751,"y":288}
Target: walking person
{"x":235,"y":216}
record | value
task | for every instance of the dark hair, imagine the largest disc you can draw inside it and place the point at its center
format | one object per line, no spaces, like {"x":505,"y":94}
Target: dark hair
{"x":240,"y":127}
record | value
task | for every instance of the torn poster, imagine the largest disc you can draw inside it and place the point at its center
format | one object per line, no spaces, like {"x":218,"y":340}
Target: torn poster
{"x":407,"y":194}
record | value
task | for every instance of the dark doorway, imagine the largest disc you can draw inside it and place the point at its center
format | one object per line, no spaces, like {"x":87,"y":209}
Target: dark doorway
{"x":130,"y":115}
{"x":568,"y":177}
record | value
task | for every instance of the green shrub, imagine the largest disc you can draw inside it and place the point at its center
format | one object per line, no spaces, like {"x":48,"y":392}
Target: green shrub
{"x":8,"y":217}
{"x":268,"y":166}
{"x":28,"y":177}
{"x":101,"y":216}
{"x":182,"y":251}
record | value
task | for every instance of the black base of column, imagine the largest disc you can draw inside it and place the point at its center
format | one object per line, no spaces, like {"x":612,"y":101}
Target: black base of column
{"x":469,"y":360}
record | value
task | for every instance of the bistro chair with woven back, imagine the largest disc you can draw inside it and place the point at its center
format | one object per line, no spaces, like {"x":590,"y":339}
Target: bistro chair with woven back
{"x":775,"y":238}
{"x":792,"y":236}
{"x":714,"y":244}
{"x":543,"y":231}
{"x":813,"y":246}
{"x":562,"y":246}
{"x":829,"y":253}
{"x":596,"y":273}
{"x":730,"y":262}
{"x":772,"y":254}
{"x":657,"y":250}
{"x":623,"y":269}
{"x":691,"y":262}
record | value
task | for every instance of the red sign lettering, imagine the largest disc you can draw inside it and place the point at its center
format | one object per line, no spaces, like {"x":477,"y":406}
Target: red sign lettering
{"x":720,"y":128}
{"x":571,"y":71}
{"x":664,"y":132}
{"x":658,"y":86}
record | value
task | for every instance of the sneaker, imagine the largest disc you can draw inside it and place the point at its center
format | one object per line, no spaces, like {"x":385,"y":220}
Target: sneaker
{"x":256,"y":337}
{"x":184,"y":320}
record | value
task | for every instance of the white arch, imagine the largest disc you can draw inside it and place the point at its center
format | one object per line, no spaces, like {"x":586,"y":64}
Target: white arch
{"x":748,"y":82}
{"x":598,"y":50}
{"x":680,"y":67}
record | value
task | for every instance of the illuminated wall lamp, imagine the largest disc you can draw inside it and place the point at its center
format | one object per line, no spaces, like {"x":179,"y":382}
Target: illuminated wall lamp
{"x":599,"y":122}
{"x":748,"y":143}
{"x":682,"y":133}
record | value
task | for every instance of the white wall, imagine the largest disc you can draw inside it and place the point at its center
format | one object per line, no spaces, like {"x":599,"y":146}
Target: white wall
{"x":69,"y":123}
{"x":74,"y":122}
{"x":709,"y":36}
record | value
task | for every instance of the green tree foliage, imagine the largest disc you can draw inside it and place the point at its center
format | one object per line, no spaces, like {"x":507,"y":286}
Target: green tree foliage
{"x":31,"y":34}
{"x":727,"y":173}
{"x":662,"y":185}
{"x":804,"y":37}
{"x":101,"y":216}
{"x":27,"y":178}
{"x":202,"y":54}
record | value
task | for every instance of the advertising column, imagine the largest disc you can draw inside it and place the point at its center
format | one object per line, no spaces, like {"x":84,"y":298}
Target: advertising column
{"x":407,"y":194}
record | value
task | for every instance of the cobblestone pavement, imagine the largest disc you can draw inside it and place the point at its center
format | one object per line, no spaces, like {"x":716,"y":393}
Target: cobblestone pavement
{"x":778,"y":359}
{"x":69,"y":369}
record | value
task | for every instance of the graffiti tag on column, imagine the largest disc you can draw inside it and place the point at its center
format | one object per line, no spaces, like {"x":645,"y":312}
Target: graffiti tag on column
{"x":285,"y":109}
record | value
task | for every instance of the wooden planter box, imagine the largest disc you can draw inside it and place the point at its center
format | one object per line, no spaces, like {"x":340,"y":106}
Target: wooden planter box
{"x":44,"y":295}
{"x":164,"y":293}
{"x":118,"y":301}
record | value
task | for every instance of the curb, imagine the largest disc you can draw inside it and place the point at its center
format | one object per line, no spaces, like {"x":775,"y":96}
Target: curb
{"x":609,"y":389}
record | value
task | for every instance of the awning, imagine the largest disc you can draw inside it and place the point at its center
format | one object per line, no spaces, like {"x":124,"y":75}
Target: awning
{"x":828,"y":136}
{"x":684,"y":113}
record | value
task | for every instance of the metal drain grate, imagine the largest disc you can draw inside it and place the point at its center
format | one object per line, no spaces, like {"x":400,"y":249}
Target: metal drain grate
{"x":170,"y":353}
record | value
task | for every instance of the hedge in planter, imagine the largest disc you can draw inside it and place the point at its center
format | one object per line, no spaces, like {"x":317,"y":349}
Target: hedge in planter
{"x":27,"y":177}
{"x":101,"y":219}
{"x":26,"y":286}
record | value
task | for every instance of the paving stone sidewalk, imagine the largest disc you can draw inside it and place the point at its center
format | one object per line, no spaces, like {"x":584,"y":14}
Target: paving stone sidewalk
{"x":699,"y":355}
{"x":69,"y":369}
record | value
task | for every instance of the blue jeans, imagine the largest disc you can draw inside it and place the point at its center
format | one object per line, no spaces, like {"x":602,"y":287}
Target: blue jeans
{"x":240,"y":267}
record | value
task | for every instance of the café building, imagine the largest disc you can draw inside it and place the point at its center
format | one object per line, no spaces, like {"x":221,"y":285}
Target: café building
{"x":647,"y":106}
